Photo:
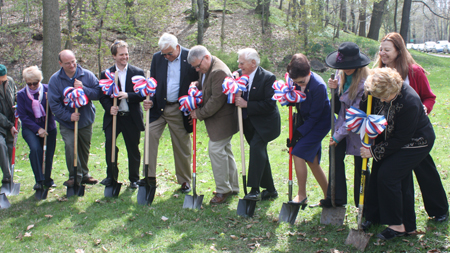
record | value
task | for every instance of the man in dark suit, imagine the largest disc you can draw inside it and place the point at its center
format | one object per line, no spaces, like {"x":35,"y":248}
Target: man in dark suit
{"x":261,"y":123}
{"x":174,"y":75}
{"x":129,"y":114}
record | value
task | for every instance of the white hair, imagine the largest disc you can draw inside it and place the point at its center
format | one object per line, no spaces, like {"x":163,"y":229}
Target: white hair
{"x":249,"y":54}
{"x":167,"y":40}
{"x":196,"y":53}
{"x":32,"y":74}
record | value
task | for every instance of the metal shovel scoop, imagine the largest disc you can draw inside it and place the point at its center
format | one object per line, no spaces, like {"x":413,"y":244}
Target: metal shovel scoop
{"x":195,"y":201}
{"x":113,"y":190}
{"x":75,"y":189}
{"x":4,"y":203}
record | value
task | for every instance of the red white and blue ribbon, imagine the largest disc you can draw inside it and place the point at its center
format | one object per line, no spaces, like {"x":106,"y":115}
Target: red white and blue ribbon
{"x":358,"y":122}
{"x":109,"y":87}
{"x":231,"y":87}
{"x":191,"y":101}
{"x":75,"y":98}
{"x":144,"y":86}
{"x":285,"y":92}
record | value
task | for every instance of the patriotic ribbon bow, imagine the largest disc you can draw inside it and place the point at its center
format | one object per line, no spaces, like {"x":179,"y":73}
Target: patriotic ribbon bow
{"x":190,"y":101}
{"x":75,"y":98}
{"x":144,"y":86}
{"x":358,"y":122}
{"x":109,"y":87}
{"x":231,"y":87}
{"x":285,"y":92}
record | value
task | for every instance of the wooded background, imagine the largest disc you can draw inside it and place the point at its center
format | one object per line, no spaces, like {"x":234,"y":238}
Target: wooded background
{"x":90,"y":26}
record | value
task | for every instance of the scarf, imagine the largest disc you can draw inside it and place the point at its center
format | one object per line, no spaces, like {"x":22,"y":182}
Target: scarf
{"x":36,"y":104}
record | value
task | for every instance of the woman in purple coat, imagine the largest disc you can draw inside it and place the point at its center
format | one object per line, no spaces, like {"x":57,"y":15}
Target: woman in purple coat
{"x":315,"y":113}
{"x":349,"y":89}
{"x":31,"y":102}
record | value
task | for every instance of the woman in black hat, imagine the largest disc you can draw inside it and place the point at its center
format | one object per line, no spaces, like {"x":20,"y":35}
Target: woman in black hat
{"x":351,"y":73}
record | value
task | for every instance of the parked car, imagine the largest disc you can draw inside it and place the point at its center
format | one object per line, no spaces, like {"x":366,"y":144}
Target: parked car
{"x":415,"y":46}
{"x":421,"y":47}
{"x":409,"y":45}
{"x":438,"y":48}
{"x":429,"y":45}
{"x":446,"y":49}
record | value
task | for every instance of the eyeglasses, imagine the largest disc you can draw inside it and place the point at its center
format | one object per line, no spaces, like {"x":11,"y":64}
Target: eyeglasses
{"x":70,"y":63}
{"x":33,"y":84}
{"x":198,"y":66}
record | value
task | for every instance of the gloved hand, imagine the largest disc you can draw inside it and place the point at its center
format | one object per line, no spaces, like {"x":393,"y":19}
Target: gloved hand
{"x":295,"y":138}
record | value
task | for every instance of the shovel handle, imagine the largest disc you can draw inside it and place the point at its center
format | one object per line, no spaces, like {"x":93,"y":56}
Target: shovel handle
{"x":147,"y":134}
{"x":45,"y":137}
{"x":290,"y":154}
{"x":194,"y":145}
{"x":241,"y":137}
{"x":332,"y":151}
{"x":75,"y":142}
{"x":114,"y":123}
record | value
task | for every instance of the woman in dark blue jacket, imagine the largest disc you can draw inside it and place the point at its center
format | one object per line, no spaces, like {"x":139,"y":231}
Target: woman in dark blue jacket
{"x":31,"y":102}
{"x":315,"y":113}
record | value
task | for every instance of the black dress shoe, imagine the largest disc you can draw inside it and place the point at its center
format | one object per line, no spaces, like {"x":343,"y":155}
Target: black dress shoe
{"x":107,"y":182}
{"x":37,"y":186}
{"x":389,"y":234}
{"x":185,"y":188}
{"x":134,"y":185}
{"x":366,"y":225}
{"x":327,"y":203}
{"x":265,"y":195}
{"x":256,"y":196}
{"x":441,"y":218}
{"x":143,"y":182}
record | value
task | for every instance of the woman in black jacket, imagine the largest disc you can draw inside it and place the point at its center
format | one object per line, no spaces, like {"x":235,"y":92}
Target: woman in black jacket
{"x":406,"y":141}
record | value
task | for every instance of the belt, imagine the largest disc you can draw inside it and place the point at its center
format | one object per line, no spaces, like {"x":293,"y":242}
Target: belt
{"x":123,"y":113}
{"x":171,"y":103}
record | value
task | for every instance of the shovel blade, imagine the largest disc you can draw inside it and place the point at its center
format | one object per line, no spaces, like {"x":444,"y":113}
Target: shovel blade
{"x":333,"y":215}
{"x":4,"y":203}
{"x":6,"y":189}
{"x":358,"y":239}
{"x":77,"y":190}
{"x":193,"y":202}
{"x":112,"y":190}
{"x":246,"y":208}
{"x":38,"y":194}
{"x":146,"y":194}
{"x":289,"y":213}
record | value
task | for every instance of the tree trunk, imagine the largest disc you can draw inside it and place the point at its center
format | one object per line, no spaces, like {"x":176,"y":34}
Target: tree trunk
{"x":395,"y":16}
{"x":362,"y":18}
{"x":303,"y":25}
{"x":194,"y":10}
{"x":376,"y":20}
{"x":200,"y":18}
{"x":405,"y":19}
{"x":222,"y":29}
{"x":130,"y":12}
{"x":68,"y":44}
{"x":262,"y":18}
{"x":343,"y":14}
{"x":327,"y":13}
{"x":281,"y":5}
{"x":52,"y":38}
{"x":353,"y":17}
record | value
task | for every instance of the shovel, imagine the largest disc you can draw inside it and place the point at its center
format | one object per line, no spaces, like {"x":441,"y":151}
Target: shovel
{"x":358,"y":238}
{"x":113,"y":190}
{"x":146,"y":193}
{"x":246,"y":208}
{"x":4,"y":203}
{"x":75,"y":189}
{"x":195,"y":201}
{"x":333,"y":215}
{"x":43,"y":192}
{"x":289,"y":210}
{"x":12,"y":188}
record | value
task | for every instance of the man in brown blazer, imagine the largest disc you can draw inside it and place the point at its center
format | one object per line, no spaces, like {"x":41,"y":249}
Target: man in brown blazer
{"x":220,"y":120}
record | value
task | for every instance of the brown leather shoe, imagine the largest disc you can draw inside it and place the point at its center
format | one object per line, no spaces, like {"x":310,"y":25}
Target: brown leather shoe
{"x":232,"y":193}
{"x":89,"y":180}
{"x":219,"y":198}
{"x":69,"y":183}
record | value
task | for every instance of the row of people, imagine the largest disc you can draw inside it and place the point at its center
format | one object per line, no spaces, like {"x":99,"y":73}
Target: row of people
{"x":175,"y":67}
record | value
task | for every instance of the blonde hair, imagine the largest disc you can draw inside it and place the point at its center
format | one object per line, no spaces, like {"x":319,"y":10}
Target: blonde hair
{"x":32,"y":74}
{"x":360,"y":73}
{"x":383,"y":82}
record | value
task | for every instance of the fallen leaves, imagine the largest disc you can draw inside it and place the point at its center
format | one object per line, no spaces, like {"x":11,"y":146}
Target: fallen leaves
{"x":48,"y":216}
{"x":30,"y":226}
{"x":97,"y":242}
{"x":27,"y":234}
{"x":79,"y":251}
{"x":164,"y":218}
{"x":62,"y":199}
{"x":234,"y":237}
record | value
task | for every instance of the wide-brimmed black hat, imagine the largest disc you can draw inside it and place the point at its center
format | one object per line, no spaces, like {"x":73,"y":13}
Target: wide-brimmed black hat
{"x":347,"y":57}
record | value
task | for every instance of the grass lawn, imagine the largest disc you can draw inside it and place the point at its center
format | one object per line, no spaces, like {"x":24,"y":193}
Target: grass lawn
{"x":96,"y":224}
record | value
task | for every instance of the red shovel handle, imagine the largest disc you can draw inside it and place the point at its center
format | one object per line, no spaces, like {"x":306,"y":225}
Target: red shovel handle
{"x":194,"y":149}
{"x":290,"y":138}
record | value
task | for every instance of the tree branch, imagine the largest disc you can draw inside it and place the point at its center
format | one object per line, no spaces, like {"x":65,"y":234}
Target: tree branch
{"x":431,"y":10}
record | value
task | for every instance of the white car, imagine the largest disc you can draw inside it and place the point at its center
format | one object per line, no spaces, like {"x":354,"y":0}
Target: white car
{"x":415,"y":46}
{"x":409,"y":45}
{"x":421,"y":47}
{"x":429,"y":45}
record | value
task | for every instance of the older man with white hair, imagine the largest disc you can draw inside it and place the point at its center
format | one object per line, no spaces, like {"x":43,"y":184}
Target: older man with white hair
{"x":261,"y":123}
{"x":174,"y":75}
{"x":220,"y":120}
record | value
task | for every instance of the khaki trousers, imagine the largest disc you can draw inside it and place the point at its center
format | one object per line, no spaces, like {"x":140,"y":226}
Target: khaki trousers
{"x":181,"y":143}
{"x":223,"y":166}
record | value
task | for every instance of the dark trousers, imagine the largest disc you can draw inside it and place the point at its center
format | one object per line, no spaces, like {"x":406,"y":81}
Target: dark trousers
{"x":36,"y":155}
{"x":259,"y":171}
{"x":131,"y":136}
{"x":390,"y":199}
{"x":341,"y":184}
{"x":433,"y":193}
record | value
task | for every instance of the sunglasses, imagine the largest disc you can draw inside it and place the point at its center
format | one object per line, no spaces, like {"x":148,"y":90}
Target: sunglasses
{"x":33,"y":84}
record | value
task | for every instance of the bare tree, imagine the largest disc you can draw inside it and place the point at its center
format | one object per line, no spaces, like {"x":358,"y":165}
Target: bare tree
{"x":281,"y":5}
{"x":200,"y":18}
{"x":343,"y":13}
{"x":362,"y":18}
{"x":222,"y":29}
{"x":405,"y":19}
{"x":52,"y":38}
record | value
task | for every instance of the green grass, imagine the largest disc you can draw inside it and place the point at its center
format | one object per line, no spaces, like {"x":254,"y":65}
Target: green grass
{"x":120,"y":225}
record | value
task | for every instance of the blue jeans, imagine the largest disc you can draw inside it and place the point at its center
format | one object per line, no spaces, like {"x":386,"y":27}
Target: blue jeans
{"x":36,"y":144}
